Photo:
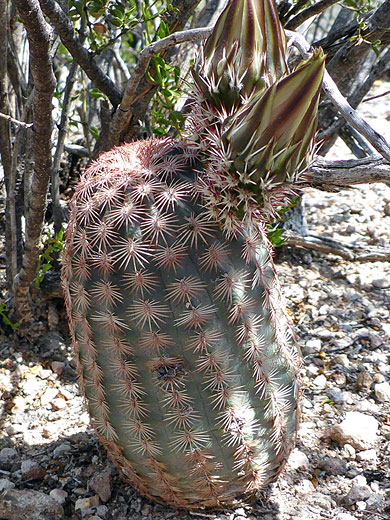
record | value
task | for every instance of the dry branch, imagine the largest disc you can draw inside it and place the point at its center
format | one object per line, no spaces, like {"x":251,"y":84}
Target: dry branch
{"x":10,"y":119}
{"x":334,"y":175}
{"x":353,"y":253}
{"x":39,"y":36}
{"x":129,"y":95}
{"x":307,"y":13}
{"x":338,"y":100}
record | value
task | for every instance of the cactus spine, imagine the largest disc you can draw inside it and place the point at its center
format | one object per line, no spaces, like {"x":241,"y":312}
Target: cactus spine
{"x":183,"y":349}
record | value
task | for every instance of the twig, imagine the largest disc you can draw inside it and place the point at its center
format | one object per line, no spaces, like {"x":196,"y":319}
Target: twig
{"x":376,"y":97}
{"x":307,"y":13}
{"x":15,"y":121}
{"x":80,"y":54}
{"x":331,"y":175}
{"x":353,"y":253}
{"x":331,"y":90}
{"x":129,"y":95}
{"x":62,"y":130}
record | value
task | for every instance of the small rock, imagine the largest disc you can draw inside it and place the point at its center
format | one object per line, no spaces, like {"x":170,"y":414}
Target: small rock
{"x":58,"y":367}
{"x":357,"y":429}
{"x":16,"y":504}
{"x":375,"y":501}
{"x":382,"y":392}
{"x":386,"y":209}
{"x":48,"y":396}
{"x":20,"y":404}
{"x":379,"y":378}
{"x":87,"y":502}
{"x":357,"y":493}
{"x":367,"y":456}
{"x":7,"y":457}
{"x":35,"y":474}
{"x":348,"y":452}
{"x":336,"y":396}
{"x":304,"y":487}
{"x":59,"y":494}
{"x":49,"y":429}
{"x":298,"y":460}
{"x":62,"y":449}
{"x":381,"y":283}
{"x":364,"y":380}
{"x":28,"y":465}
{"x":312,"y":346}
{"x":58,"y":403}
{"x":333,"y":466}
{"x":6,"y":484}
{"x":345,"y":516}
{"x":320,"y":381}
{"x":101,"y":483}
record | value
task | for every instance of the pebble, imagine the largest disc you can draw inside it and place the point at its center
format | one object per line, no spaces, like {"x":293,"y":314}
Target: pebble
{"x":333,"y":466}
{"x":59,"y":494}
{"x":359,"y":491}
{"x":348,"y":452}
{"x":381,"y":283}
{"x":364,"y":380}
{"x":357,"y":429}
{"x":23,"y":504}
{"x":375,"y":501}
{"x":5,"y":483}
{"x":312,"y":346}
{"x":345,"y":516}
{"x":382,"y":392}
{"x":298,"y":460}
{"x":367,"y":456}
{"x":57,"y":367}
{"x":7,"y":457}
{"x":62,"y":449}
{"x":28,"y":465}
{"x":101,"y":483}
{"x":48,"y":396}
{"x":320,"y":381}
{"x":87,"y":502}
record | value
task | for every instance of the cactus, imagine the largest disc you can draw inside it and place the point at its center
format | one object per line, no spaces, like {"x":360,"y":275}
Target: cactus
{"x":183,"y":346}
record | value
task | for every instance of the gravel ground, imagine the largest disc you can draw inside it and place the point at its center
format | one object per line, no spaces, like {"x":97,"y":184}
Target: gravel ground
{"x":52,"y":467}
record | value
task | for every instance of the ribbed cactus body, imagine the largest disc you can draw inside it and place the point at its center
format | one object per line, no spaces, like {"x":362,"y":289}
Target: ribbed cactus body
{"x":183,"y":349}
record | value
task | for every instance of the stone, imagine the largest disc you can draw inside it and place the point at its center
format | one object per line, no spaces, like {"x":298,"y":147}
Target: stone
{"x":298,"y":460}
{"x":345,"y":516}
{"x":58,"y":367}
{"x":382,"y":392}
{"x":357,"y":493}
{"x":101,"y":483}
{"x":375,"y":501}
{"x":58,"y":403}
{"x":312,"y":346}
{"x":320,"y":381}
{"x":358,"y":429}
{"x":49,"y":395}
{"x":381,"y":283}
{"x":62,"y":449}
{"x":87,"y":502}
{"x":367,"y":456}
{"x":28,"y":465}
{"x":333,"y":466}
{"x":59,"y":494}
{"x":364,"y":380}
{"x":8,"y":456}
{"x":16,"y":504}
{"x":6,"y":484}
